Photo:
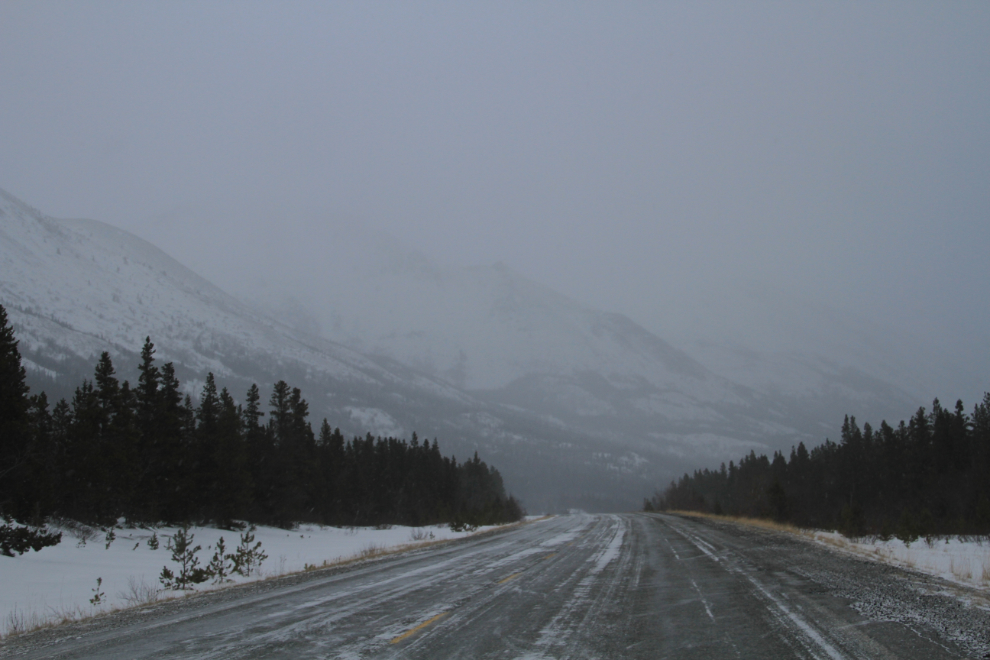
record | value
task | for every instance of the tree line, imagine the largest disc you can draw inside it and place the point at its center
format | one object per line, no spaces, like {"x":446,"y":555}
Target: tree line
{"x":928,"y":476}
{"x":147,"y":453}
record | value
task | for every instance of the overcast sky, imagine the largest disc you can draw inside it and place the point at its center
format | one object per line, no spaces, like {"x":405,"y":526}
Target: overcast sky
{"x":635,"y":156}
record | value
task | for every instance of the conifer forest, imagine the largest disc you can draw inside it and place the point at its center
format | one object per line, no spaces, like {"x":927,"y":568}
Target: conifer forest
{"x":928,"y":476}
{"x":147,"y":453}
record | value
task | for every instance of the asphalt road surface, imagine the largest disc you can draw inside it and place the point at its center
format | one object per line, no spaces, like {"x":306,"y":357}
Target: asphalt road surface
{"x":578,"y":586}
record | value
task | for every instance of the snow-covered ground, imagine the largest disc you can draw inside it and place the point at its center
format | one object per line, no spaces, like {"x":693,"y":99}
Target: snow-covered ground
{"x":60,"y":582}
{"x":964,"y":562}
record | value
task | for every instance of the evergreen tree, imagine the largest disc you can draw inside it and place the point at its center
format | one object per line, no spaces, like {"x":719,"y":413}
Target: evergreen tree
{"x":149,"y":453}
{"x":203,"y":451}
{"x":232,"y":485}
{"x":43,"y":463}
{"x":83,"y":476}
{"x":168,"y":474}
{"x":112,"y":457}
{"x":926,"y":477}
{"x":148,"y":410}
{"x":14,"y":430}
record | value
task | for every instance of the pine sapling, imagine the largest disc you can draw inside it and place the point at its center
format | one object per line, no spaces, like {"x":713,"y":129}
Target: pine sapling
{"x":221,"y":564}
{"x":247,"y":558}
{"x":111,"y":537}
{"x":183,"y":554}
{"x":167,"y":578}
{"x":98,"y":595}
{"x":153,"y":541}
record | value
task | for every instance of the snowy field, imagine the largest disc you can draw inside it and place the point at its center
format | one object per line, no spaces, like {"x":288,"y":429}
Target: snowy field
{"x":60,"y":582}
{"x":963,"y":561}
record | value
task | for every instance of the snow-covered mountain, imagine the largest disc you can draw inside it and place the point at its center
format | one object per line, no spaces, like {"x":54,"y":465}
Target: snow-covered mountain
{"x":78,"y":287}
{"x":577,"y":407}
{"x":504,"y":337}
{"x":74,"y":288}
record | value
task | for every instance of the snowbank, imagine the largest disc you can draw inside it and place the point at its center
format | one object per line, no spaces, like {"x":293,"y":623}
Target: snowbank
{"x":60,"y":582}
{"x":964,"y":562}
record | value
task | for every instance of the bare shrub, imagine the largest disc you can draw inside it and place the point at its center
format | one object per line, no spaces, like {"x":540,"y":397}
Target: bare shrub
{"x":16,"y":623}
{"x":139,"y":592}
{"x":420,"y":534}
{"x":81,"y":531}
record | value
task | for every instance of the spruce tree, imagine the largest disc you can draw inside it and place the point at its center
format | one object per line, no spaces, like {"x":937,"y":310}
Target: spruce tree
{"x":168,"y":471}
{"x":285,"y":497}
{"x":261,"y":455}
{"x":86,"y":477}
{"x":231,"y":487}
{"x":203,"y":449}
{"x":14,"y":431}
{"x":146,"y":392}
{"x":148,"y":409}
{"x":43,"y":461}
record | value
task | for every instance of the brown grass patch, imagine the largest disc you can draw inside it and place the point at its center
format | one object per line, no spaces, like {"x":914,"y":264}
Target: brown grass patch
{"x":741,"y":520}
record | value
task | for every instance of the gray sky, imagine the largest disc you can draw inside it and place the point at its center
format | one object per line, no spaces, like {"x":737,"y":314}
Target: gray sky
{"x":640,"y":157}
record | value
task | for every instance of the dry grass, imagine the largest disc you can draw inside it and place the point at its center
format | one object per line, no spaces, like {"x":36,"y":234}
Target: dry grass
{"x":962,"y":572}
{"x":752,"y":522}
{"x":140,"y":592}
{"x":21,"y":622}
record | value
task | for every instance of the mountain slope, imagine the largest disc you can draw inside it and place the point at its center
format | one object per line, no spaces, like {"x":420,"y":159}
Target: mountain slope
{"x":773,"y":371}
{"x":577,"y":407}
{"x":516,"y":343}
{"x":74,"y":288}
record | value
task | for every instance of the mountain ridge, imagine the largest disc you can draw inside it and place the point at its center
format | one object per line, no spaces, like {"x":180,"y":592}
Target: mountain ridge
{"x":577,"y":407}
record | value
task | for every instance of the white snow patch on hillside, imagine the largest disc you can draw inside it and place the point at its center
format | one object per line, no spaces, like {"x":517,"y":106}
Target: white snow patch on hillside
{"x":378,"y":422}
{"x":32,"y":366}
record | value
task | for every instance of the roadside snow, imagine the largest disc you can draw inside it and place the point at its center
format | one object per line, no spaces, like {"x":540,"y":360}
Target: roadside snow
{"x":59,"y":582}
{"x":964,"y":562}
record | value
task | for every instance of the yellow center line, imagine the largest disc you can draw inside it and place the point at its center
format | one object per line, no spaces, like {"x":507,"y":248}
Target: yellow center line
{"x":552,"y":554}
{"x":412,"y":631}
{"x":511,"y":577}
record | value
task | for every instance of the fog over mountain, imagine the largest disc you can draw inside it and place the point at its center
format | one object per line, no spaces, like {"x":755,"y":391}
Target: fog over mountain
{"x":579,"y":407}
{"x":488,"y":328}
{"x":76,"y":288}
{"x":663,"y":233}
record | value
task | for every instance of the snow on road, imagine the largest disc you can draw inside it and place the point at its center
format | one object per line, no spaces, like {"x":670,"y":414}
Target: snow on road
{"x":61,"y":581}
{"x":623,"y":586}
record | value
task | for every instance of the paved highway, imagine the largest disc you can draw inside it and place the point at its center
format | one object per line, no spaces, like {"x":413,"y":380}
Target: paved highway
{"x":578,"y":586}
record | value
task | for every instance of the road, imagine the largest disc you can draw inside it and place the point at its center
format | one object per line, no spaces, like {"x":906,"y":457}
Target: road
{"x":578,"y":586}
